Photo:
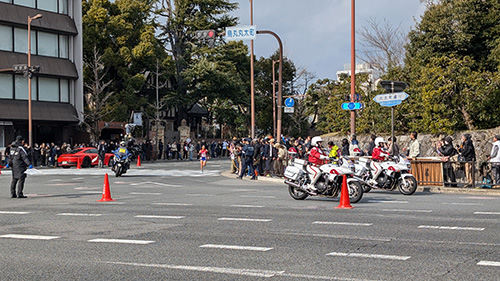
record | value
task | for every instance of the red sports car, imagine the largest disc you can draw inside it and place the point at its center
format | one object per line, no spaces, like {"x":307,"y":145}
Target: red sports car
{"x":87,"y":156}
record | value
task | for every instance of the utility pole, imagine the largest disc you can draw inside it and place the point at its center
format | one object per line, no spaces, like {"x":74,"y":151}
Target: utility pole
{"x":353,"y":67}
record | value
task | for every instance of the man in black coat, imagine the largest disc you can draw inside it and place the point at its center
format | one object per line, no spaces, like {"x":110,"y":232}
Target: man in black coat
{"x":20,"y":163}
{"x":247,"y":153}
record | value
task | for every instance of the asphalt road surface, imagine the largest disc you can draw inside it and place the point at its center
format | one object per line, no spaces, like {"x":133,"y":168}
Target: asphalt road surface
{"x":172,"y":222}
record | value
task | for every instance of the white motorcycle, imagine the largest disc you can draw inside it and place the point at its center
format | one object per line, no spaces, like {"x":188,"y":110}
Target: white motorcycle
{"x":329,"y":183}
{"x":395,"y":173}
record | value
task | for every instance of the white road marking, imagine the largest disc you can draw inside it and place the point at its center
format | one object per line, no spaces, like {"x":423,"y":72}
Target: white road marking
{"x":343,"y":223}
{"x":199,"y":195}
{"x":30,"y":237}
{"x":242,"y":189}
{"x":257,"y":196}
{"x":410,"y":211}
{"x":223,"y":270}
{"x":62,"y":184}
{"x":374,"y":256}
{"x":486,"y":213}
{"x":387,"y":201}
{"x":247,"y":206}
{"x":121,"y":241}
{"x":451,"y":227}
{"x":237,"y":271}
{"x":244,"y":219}
{"x":159,"y":217}
{"x":172,"y":204}
{"x":464,"y":204}
{"x":155,"y":183}
{"x":144,"y":193}
{"x":481,"y":198}
{"x":87,"y":188}
{"x":234,"y":247}
{"x":489,"y":263}
{"x":13,"y":213}
{"x":91,"y":192}
{"x":79,"y":215}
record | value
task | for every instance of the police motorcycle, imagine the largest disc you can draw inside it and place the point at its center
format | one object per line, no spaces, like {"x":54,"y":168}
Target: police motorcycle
{"x":329,"y":183}
{"x":121,"y":160}
{"x":395,"y":174}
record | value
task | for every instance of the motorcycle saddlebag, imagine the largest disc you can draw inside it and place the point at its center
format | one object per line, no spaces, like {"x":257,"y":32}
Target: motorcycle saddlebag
{"x":293,"y":172}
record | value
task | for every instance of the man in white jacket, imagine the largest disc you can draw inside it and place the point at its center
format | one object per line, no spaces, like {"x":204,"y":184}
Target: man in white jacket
{"x":494,"y":159}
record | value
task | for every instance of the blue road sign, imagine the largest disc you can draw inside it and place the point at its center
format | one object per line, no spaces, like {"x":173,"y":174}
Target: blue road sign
{"x":289,"y":102}
{"x":352,"y":105}
{"x":390,"y":99}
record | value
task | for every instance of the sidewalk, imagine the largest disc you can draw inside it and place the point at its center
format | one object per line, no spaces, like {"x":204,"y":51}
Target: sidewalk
{"x":431,"y":189}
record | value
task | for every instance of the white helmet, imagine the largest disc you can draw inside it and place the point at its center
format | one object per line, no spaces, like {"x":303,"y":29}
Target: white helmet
{"x":379,"y":140}
{"x":122,"y":143}
{"x":315,"y":140}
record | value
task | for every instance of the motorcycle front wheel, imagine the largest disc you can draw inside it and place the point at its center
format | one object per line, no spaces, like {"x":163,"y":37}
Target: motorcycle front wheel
{"x":408,"y":186}
{"x":296,"y":193}
{"x":355,"y":191}
{"x":118,"y":171}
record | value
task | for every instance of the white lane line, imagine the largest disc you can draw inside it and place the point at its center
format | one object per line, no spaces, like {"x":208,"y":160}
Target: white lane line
{"x":486,"y":213}
{"x":235,"y":247}
{"x":87,"y":188}
{"x":465,"y":204}
{"x":121,"y":241}
{"x":257,"y":196}
{"x":244,"y":219}
{"x":489,"y":263}
{"x":91,"y":192}
{"x":223,"y":270}
{"x":145,"y":193}
{"x":238,"y":271}
{"x":343,"y":223}
{"x":13,"y":213}
{"x":199,"y":195}
{"x":79,"y":215}
{"x":247,"y":206}
{"x":30,"y":237}
{"x":172,"y":204}
{"x":156,"y":183}
{"x":451,"y":227}
{"x":159,"y":217}
{"x":387,"y":201}
{"x":374,"y":256}
{"x":404,"y":210}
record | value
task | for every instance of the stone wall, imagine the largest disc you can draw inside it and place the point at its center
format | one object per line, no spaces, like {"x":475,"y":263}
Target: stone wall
{"x":482,"y":141}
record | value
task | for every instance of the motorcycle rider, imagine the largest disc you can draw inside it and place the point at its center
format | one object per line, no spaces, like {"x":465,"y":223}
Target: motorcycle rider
{"x":317,"y":157}
{"x":121,"y":151}
{"x":378,"y":155}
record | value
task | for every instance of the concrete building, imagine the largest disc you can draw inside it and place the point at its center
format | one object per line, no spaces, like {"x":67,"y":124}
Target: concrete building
{"x":362,"y":68}
{"x":57,"y":90}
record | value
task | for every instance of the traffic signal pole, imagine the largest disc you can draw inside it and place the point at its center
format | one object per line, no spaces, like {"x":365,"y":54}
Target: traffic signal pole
{"x":252,"y":82}
{"x":280,"y":82}
{"x":353,"y":68}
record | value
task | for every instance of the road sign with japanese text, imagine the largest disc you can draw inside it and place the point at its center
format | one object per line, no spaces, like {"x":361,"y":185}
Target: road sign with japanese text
{"x":246,"y":32}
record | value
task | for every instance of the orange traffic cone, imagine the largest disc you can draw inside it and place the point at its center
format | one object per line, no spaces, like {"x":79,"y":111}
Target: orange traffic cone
{"x":344,"y":196}
{"x":106,"y":193}
{"x":138,"y":160}
{"x":78,"y":165}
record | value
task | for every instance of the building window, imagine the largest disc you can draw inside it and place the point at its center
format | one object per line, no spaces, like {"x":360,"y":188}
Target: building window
{"x":6,"y":1}
{"x":21,"y":88}
{"x":64,"y":88}
{"x":64,"y":46}
{"x":6,"y":86}
{"x":63,"y":7}
{"x":6,"y":35}
{"x":27,"y":3}
{"x":21,"y":40}
{"x":48,"y":5}
{"x":48,"y":89}
{"x":47,"y":44}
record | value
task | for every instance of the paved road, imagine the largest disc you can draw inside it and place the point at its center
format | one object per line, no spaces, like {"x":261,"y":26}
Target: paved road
{"x":171,"y":222}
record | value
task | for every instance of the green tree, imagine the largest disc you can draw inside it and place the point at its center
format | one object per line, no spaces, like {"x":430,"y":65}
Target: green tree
{"x":452,"y":67}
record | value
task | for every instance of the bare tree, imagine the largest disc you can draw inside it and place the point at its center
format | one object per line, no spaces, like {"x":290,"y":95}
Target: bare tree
{"x":96,"y":95}
{"x":382,"y":45}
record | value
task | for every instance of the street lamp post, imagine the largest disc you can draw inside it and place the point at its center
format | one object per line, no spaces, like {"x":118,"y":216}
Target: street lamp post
{"x":30,"y":120}
{"x":353,"y":67}
{"x":252,"y":83}
{"x":274,"y":97}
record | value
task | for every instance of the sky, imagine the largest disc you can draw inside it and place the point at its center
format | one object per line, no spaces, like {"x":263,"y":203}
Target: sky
{"x":316,"y":34}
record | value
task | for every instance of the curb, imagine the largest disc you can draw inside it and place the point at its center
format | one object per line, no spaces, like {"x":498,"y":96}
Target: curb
{"x":430,"y":189}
